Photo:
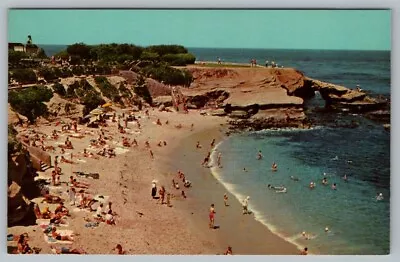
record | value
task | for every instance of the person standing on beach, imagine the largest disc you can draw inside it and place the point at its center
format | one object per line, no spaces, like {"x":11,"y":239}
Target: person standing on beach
{"x":245,"y":203}
{"x":161,"y":192}
{"x":153,"y":190}
{"x":219,"y":159}
{"x":211,"y":216}
{"x":226,"y":200}
{"x":212,"y":143}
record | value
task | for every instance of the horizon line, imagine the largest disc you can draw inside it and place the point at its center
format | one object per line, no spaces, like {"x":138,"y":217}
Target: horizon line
{"x":264,"y":48}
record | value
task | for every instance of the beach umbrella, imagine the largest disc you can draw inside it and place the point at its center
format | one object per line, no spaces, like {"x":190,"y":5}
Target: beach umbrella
{"x":96,"y":112}
{"x":106,"y":105}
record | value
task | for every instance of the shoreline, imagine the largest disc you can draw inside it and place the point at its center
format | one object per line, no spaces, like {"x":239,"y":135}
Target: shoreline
{"x":243,"y":232}
{"x":126,"y":179}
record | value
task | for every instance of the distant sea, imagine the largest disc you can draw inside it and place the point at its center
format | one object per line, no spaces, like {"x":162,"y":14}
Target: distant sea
{"x":357,"y":222}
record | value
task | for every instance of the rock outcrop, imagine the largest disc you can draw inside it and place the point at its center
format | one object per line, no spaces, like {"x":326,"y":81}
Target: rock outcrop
{"x":267,"y":97}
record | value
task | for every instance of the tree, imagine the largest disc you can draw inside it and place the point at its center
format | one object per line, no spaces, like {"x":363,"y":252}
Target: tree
{"x":29,"y":101}
{"x":79,"y":49}
{"x":15,"y":57}
{"x":24,"y":76}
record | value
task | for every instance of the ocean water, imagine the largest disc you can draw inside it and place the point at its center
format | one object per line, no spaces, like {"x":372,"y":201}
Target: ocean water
{"x":357,"y":222}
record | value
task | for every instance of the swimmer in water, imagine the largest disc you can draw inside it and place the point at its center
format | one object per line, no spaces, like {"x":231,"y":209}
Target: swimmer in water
{"x":312,"y":185}
{"x":334,"y":186}
{"x":326,"y":229}
{"x":335,"y":158}
{"x":379,"y":197}
{"x":294,"y":178}
{"x":345,"y":178}
{"x":324,"y":181}
{"x":283,"y":190}
{"x":259,"y":155}
{"x":274,"y":166}
{"x":244,"y":169}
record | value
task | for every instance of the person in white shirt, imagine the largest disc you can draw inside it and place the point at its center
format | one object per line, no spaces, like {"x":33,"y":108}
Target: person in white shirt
{"x":245,"y":204}
{"x":99,"y":211}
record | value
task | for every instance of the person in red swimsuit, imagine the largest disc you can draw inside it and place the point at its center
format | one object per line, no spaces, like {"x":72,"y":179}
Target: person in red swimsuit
{"x":212,"y":215}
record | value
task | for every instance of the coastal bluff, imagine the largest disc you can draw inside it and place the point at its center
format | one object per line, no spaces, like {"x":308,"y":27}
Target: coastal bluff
{"x":267,"y":97}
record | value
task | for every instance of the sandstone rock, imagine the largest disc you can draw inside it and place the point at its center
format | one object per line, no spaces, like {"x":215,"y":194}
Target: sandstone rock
{"x":219,"y":112}
{"x":163,"y":100}
{"x":239,"y":114}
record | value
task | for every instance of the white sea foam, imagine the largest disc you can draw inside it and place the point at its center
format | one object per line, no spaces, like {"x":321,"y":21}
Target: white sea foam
{"x":232,"y":188}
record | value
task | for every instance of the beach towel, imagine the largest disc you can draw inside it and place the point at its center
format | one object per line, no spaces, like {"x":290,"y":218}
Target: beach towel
{"x":51,"y":240}
{"x":92,"y":224}
{"x":77,"y":209}
{"x":120,"y":150}
{"x":43,"y":223}
{"x":81,"y":160}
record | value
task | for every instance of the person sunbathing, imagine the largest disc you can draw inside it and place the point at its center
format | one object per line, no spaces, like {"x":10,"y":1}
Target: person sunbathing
{"x":75,"y":183}
{"x":64,"y":160}
{"x":159,"y":122}
{"x":119,"y":250}
{"x":62,"y":210}
{"x":59,"y":237}
{"x":134,"y":142}
{"x":125,"y":142}
{"x":89,"y":154}
{"x":109,"y":219}
{"x":147,"y":144}
{"x":178,"y":126}
{"x":51,"y":199}
{"x":67,"y":250}
{"x":159,"y":144}
{"x":198,"y":144}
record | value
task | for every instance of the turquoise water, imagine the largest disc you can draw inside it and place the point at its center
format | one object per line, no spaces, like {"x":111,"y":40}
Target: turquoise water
{"x":357,"y":222}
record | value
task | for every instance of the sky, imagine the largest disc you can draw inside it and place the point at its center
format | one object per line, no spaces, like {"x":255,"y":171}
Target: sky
{"x":281,"y":29}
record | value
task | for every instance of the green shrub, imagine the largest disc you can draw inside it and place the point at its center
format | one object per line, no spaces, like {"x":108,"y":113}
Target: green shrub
{"x":141,"y":89}
{"x":71,"y":90}
{"x":91,"y":100}
{"x":24,"y":76}
{"x":15,"y":57}
{"x":62,"y":54}
{"x":29,"y":101}
{"x":107,"y":89}
{"x":59,"y":89}
{"x":124,"y":91}
{"x":149,"y":56}
{"x":79,"y":50}
{"x":78,"y":70}
{"x":179,"y":59}
{"x":168,"y":75}
{"x":48,"y":73}
{"x":166,"y":49}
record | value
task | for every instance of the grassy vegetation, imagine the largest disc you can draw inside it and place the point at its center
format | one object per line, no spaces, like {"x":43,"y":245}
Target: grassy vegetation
{"x":208,"y":64}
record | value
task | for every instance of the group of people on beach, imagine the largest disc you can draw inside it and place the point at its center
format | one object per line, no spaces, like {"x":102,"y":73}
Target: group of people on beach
{"x":78,"y":195}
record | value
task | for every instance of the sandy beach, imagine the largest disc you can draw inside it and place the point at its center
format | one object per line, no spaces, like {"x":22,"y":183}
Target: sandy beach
{"x":143,"y":226}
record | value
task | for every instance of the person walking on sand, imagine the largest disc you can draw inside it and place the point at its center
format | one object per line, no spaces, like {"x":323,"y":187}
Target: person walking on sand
{"x":161,"y":192}
{"x":226,"y":200}
{"x":212,"y":143}
{"x":304,"y":251}
{"x":151,"y":154}
{"x":245,"y":203}
{"x":212,"y":216}
{"x":206,"y":159}
{"x":219,"y":159}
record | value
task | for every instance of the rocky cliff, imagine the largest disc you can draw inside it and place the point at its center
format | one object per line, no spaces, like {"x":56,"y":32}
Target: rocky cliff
{"x":267,"y":97}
